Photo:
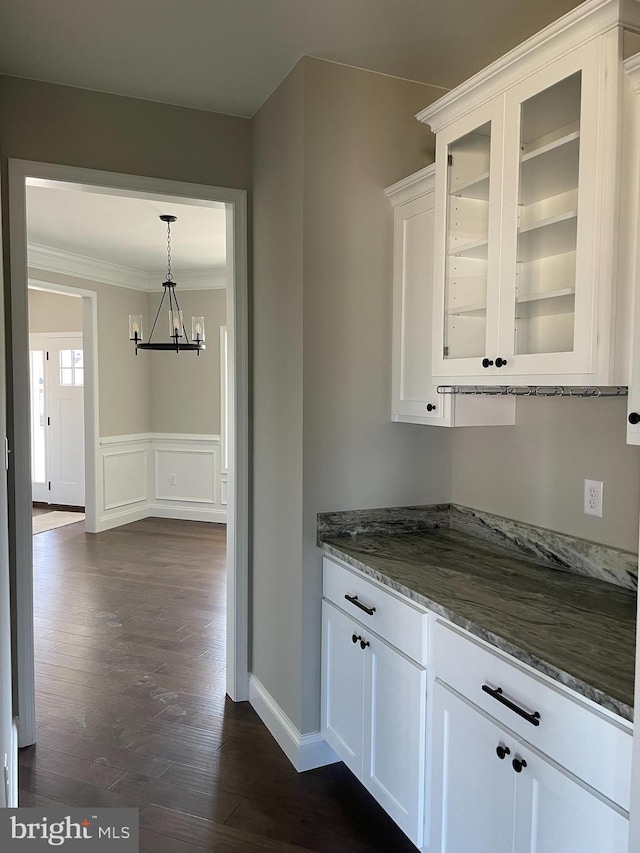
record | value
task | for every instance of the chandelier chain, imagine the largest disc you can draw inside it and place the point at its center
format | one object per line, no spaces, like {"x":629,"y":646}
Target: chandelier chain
{"x":169,"y":275}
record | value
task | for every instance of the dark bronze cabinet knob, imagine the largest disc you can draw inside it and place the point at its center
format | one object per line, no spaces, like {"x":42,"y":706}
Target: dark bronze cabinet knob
{"x":502,"y":751}
{"x":634,"y":418}
{"x":518,"y":764}
{"x":431,"y":407}
{"x":486,"y":362}
{"x":501,"y":362}
{"x":354,"y":638}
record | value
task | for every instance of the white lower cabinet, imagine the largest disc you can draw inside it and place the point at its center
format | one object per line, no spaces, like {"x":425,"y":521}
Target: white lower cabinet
{"x":493,"y":794}
{"x":342,"y":687}
{"x":473,"y":789}
{"x":506,"y":762}
{"x":374,"y":716}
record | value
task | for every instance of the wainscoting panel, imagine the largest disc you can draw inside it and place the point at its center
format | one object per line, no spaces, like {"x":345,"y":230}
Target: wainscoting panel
{"x":124,"y":477}
{"x":185,"y":475}
{"x":160,"y":475}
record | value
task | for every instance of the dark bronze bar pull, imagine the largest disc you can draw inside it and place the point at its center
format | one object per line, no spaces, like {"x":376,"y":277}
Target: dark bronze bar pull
{"x":353,"y":599}
{"x":496,"y":693}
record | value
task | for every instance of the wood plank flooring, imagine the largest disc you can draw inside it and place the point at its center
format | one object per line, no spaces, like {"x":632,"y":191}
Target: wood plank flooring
{"x":131,"y":705}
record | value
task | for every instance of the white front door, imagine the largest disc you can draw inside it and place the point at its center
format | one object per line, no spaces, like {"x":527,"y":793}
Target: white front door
{"x":57,"y":419}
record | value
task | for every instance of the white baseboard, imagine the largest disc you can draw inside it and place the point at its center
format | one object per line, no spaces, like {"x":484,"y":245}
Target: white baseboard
{"x":304,"y":751}
{"x":217,"y":516}
{"x":107,"y":522}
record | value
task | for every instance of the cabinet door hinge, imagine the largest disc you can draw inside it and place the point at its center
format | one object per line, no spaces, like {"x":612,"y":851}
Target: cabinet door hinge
{"x":445,"y":352}
{"x":449,"y":163}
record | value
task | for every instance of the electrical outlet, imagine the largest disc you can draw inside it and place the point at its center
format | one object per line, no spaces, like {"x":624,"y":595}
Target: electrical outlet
{"x":593,"y":497}
{"x":173,"y":480}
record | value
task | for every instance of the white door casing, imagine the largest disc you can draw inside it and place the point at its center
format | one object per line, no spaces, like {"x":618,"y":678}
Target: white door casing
{"x":64,"y":440}
{"x":235,"y":201}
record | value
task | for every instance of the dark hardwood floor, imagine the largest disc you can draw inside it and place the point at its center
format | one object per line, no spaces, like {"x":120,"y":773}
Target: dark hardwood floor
{"x":131,"y":706}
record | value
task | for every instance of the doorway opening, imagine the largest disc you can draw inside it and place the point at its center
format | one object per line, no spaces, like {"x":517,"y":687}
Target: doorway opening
{"x":132,"y":473}
{"x":56,"y":373}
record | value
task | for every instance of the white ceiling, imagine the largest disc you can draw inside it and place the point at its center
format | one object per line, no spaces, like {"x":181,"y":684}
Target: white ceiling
{"x":125,"y":231}
{"x":229,"y":55}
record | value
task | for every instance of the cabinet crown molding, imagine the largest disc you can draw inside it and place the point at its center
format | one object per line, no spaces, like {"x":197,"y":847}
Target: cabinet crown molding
{"x":413,"y":185}
{"x":587,"y":21}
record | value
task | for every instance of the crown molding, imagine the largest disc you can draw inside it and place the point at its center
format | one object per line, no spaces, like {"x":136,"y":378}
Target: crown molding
{"x":585,"y":22}
{"x":632,"y":70}
{"x":412,"y":186}
{"x":50,"y":259}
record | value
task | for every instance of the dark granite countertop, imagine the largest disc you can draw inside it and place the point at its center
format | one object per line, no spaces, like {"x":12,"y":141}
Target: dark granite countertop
{"x":578,"y":630}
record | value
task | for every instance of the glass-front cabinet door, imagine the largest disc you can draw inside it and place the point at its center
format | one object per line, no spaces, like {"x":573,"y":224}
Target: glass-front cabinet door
{"x":547,"y":290}
{"x":467,"y":256}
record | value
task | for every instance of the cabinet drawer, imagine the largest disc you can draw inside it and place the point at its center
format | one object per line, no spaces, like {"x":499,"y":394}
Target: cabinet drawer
{"x":394,"y":619}
{"x":596,"y":749}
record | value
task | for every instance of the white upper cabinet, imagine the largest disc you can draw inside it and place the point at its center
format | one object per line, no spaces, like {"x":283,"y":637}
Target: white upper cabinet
{"x":415,"y":398}
{"x":531,"y":275}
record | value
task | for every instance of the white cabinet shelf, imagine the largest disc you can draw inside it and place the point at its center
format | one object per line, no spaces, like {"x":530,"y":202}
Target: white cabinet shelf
{"x":478,"y":310}
{"x":555,"y":235}
{"x":476,"y":187}
{"x":546,"y":304}
{"x":550,"y":170}
{"x":473,"y":249}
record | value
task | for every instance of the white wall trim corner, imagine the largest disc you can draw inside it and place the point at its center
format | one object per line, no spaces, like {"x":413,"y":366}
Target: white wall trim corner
{"x":304,"y":751}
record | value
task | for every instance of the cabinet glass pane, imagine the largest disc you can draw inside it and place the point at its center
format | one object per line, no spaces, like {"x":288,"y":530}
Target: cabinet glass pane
{"x":548,"y":219}
{"x":465,"y":318}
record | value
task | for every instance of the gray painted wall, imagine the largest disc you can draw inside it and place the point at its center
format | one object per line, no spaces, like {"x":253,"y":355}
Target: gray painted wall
{"x":360,"y":136}
{"x":54,"y":312}
{"x":77,"y":127}
{"x":535,"y":471}
{"x":124,"y":378}
{"x":154,"y":391}
{"x":276,"y":597}
{"x":185,"y":389}
{"x":326,"y":144}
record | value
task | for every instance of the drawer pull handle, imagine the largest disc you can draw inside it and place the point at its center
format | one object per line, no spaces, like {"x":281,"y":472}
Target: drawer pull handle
{"x":502,"y":751}
{"x":496,"y":693}
{"x":353,"y":599}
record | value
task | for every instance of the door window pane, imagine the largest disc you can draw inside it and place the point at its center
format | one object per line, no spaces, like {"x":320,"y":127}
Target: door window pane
{"x":71,"y":367}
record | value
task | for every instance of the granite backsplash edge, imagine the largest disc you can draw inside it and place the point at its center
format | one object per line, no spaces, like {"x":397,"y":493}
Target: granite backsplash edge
{"x":555,"y":549}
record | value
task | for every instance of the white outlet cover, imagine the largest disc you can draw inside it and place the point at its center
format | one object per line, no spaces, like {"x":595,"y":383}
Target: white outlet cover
{"x":593,"y":498}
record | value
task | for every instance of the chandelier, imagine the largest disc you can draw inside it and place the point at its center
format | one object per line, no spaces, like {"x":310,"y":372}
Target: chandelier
{"x":178,"y":338}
